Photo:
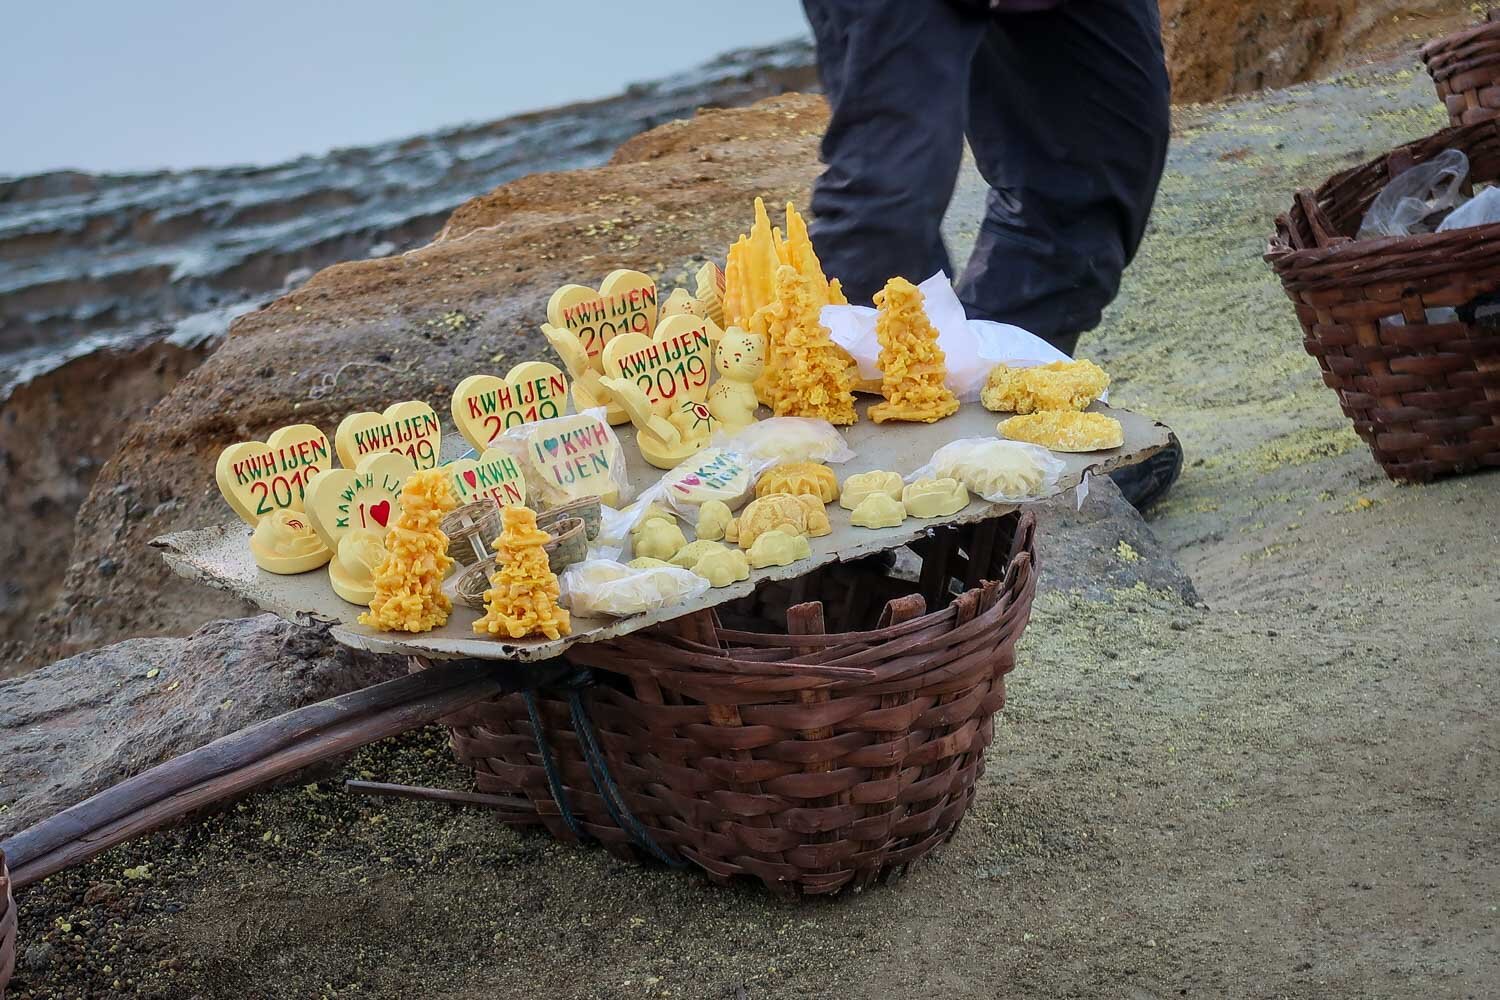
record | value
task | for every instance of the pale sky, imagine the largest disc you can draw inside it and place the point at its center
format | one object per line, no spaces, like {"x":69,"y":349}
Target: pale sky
{"x":108,"y":85}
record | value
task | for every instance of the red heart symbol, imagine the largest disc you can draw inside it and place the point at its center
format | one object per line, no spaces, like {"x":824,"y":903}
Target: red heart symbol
{"x":380,"y":512}
{"x":470,"y":478}
{"x":691,"y":480}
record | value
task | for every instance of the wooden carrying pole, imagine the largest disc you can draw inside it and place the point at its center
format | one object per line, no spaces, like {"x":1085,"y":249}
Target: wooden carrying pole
{"x":238,"y":762}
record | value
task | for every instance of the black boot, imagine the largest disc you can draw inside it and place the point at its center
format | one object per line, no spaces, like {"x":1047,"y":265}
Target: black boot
{"x":1147,"y":482}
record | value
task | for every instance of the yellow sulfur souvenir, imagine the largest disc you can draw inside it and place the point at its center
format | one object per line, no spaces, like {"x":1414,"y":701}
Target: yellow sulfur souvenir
{"x":1065,"y":430}
{"x":1061,"y":385}
{"x":807,"y":374}
{"x":523,"y":594}
{"x":797,"y":478}
{"x":912,"y":365}
{"x":409,"y":584}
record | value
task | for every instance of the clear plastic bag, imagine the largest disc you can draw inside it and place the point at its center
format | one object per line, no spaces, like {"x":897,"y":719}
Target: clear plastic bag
{"x":598,"y":587}
{"x":970,"y":347}
{"x":1480,"y":210}
{"x":999,"y":471}
{"x":569,"y":458}
{"x":712,"y":474}
{"x":788,"y":439}
{"x":1408,"y":204}
{"x":616,"y":524}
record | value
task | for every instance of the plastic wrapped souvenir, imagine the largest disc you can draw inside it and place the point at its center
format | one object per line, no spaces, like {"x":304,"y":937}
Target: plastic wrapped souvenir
{"x":602,"y":587}
{"x":711,"y":474}
{"x":571,"y":458}
{"x":788,"y":439}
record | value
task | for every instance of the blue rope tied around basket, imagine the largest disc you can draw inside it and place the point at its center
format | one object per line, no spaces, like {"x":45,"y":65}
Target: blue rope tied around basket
{"x":549,"y":767}
{"x":593,"y":757}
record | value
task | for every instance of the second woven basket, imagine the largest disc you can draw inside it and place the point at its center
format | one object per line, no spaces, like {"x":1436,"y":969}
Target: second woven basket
{"x":1405,"y":328}
{"x":1465,"y":67}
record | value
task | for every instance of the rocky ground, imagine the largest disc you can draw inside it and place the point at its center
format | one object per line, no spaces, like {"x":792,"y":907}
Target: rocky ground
{"x":1288,"y":790}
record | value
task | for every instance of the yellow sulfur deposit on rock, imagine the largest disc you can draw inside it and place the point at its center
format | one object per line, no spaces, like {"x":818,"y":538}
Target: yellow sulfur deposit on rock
{"x":806,"y":374}
{"x":912,"y":366}
{"x":522,"y":599}
{"x":409,"y":584}
{"x":1065,"y":430}
{"x":1061,"y":385}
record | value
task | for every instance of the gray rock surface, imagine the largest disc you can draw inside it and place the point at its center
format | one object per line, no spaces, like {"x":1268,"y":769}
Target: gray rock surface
{"x":82,"y":724}
{"x":1103,"y":547}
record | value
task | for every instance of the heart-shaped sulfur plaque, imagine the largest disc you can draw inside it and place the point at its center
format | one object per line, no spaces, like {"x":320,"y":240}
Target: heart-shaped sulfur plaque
{"x":670,"y":367}
{"x":571,"y":458}
{"x":410,"y":428}
{"x":624,"y":303}
{"x":366,"y":498}
{"x":495,"y":475}
{"x":485,"y":405}
{"x":260,"y":477}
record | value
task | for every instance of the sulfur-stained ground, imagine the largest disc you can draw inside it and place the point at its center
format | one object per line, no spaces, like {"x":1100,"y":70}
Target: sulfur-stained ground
{"x":1290,"y":793}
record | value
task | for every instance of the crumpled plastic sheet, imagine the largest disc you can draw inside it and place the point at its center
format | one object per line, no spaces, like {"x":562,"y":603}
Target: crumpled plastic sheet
{"x":971,"y":346}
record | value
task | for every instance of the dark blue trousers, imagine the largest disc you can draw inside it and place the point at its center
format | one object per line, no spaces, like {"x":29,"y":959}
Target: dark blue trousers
{"x":1066,"y":111}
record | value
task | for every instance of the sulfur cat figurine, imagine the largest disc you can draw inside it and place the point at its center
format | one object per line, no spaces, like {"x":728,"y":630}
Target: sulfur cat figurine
{"x":740,"y":358}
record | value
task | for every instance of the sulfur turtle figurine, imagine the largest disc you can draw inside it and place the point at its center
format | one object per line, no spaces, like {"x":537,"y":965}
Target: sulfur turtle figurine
{"x":713,"y":561}
{"x":778,"y":548}
{"x":802,"y":514}
{"x":659,"y":538}
{"x":862,"y":484}
{"x":714,"y":518}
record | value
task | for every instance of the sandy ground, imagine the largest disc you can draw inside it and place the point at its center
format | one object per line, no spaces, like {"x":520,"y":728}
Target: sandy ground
{"x":1289,"y":793}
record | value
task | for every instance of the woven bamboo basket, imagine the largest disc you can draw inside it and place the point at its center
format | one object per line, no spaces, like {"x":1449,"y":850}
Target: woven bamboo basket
{"x":1423,"y":393}
{"x":735,"y":760}
{"x":7,"y":928}
{"x":1465,"y":67}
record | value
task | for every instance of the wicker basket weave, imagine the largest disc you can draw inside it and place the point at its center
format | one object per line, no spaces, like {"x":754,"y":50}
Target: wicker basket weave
{"x":737,"y":763}
{"x":1424,"y":394}
{"x":7,"y":928}
{"x":1465,"y":66}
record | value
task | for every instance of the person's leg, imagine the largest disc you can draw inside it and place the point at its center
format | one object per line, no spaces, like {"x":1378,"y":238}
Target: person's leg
{"x":896,"y":73}
{"x":1068,"y":120}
